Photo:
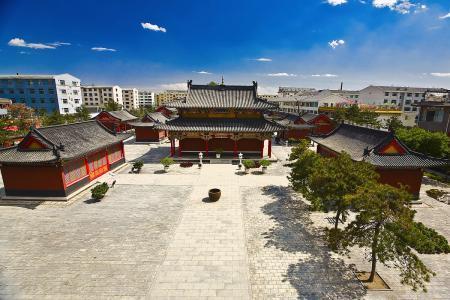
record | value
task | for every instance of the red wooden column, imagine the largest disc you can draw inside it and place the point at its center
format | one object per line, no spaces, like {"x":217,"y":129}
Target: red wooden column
{"x":262,"y":148}
{"x":179,"y":148}
{"x":171,"y":148}
{"x":206,"y":147}
{"x":235,"y":150}
{"x":270,"y":148}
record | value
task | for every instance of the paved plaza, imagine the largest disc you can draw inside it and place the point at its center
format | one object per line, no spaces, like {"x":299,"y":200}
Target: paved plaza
{"x":156,"y":236}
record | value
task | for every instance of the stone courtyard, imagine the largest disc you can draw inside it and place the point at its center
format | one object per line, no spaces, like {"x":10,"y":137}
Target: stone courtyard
{"x":155,"y":236}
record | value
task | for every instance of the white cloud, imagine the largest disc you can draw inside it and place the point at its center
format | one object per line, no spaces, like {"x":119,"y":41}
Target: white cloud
{"x":445,"y":16}
{"x":102,"y":49}
{"x":400,"y":6}
{"x":174,"y":86}
{"x":440,"y":74}
{"x":335,"y":43}
{"x":281,"y":75}
{"x":16,"y":42}
{"x":263,"y":59}
{"x":153,"y":27}
{"x":203,"y":72}
{"x":57,"y":44}
{"x":336,"y":2}
{"x":324,"y":75}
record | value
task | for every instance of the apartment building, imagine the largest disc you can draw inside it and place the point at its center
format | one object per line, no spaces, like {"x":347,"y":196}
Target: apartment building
{"x":170,"y":95}
{"x":97,"y":96}
{"x":130,"y":98}
{"x":146,"y":98}
{"x":310,"y":101}
{"x":294,"y":91}
{"x":51,"y":93}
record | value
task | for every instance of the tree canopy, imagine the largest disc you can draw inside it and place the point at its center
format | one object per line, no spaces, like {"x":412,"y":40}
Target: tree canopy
{"x":430,"y":143}
{"x":356,"y":115}
{"x":382,"y":210}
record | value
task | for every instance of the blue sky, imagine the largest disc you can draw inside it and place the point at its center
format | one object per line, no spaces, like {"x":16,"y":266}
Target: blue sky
{"x":161,"y":44}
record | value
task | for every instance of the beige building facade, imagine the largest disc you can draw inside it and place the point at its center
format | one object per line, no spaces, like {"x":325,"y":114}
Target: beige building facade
{"x":170,"y":95}
{"x":130,"y":98}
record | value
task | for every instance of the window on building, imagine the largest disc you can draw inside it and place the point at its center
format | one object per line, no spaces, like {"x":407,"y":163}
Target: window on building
{"x":416,"y":95}
{"x":356,"y":96}
{"x":393,"y":101}
{"x":66,"y":110}
{"x":51,"y":91}
{"x":11,"y":91}
{"x":64,"y":101}
{"x":407,"y":102}
{"x":41,"y":91}
{"x":407,"y":108}
{"x":33,"y":100}
{"x":21,"y":91}
{"x":386,"y":94}
{"x":22,"y":100}
{"x":409,"y":94}
{"x":385,"y":101}
{"x":434,"y":115}
{"x":64,"y":91}
{"x":394,"y":94}
{"x":31,"y":91}
{"x":42,"y":100}
{"x":74,"y":83}
{"x":62,"y":82}
{"x":414,"y":108}
{"x":77,"y":101}
{"x":75,"y":92}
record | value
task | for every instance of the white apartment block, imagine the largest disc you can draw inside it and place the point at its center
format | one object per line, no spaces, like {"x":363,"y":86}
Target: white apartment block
{"x":60,"y":93}
{"x":310,"y":101}
{"x":130,"y":99}
{"x":146,"y":98}
{"x":401,"y":98}
{"x":294,"y":91}
{"x":98,"y":96}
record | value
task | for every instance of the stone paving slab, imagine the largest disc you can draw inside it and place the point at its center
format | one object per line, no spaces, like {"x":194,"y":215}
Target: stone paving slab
{"x":207,"y":255}
{"x":105,"y":249}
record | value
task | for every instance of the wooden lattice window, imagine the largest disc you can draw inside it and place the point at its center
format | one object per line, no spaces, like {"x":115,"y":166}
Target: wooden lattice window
{"x":74,"y":171}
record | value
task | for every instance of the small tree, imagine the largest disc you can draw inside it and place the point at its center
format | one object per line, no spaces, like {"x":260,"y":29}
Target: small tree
{"x":383,"y":210}
{"x":112,"y":106}
{"x":393,"y":123}
{"x":298,"y":150}
{"x":303,"y":166}
{"x":332,"y":179}
{"x":82,"y":113}
{"x":431,"y":143}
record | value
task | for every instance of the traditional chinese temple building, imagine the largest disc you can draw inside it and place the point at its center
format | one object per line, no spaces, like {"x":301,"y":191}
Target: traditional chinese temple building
{"x":116,"y":120}
{"x":223,"y":118}
{"x":395,"y":163}
{"x":301,"y":126}
{"x":145,"y":129}
{"x":167,"y":111}
{"x":57,"y":161}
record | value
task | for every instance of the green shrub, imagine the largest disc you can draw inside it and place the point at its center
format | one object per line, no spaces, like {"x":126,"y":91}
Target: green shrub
{"x":137,"y":165}
{"x":425,"y":240}
{"x":265,"y":162}
{"x":167,"y":161}
{"x":435,"y":193}
{"x":248,"y":163}
{"x":436,"y":177}
{"x":99,"y":191}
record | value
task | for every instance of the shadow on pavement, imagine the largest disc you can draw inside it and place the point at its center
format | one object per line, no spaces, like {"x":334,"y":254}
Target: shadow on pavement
{"x":319,"y":275}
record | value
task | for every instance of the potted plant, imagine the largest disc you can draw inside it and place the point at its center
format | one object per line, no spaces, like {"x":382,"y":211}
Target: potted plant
{"x":166,"y":162}
{"x":264,"y":164}
{"x":219,"y":152}
{"x":214,"y":195}
{"x":99,"y":191}
{"x":137,"y":166}
{"x":248,"y":164}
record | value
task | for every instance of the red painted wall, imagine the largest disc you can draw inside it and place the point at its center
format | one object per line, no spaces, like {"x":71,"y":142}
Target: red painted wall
{"x":196,"y":145}
{"x":252,"y":145}
{"x":225,"y":144}
{"x":323,"y":123}
{"x":32,"y":178}
{"x":412,"y":178}
{"x":144,"y":134}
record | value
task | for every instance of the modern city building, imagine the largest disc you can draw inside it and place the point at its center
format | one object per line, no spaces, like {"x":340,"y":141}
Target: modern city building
{"x":146,"y":98}
{"x":99,"y":96}
{"x":60,"y":93}
{"x":169,"y":96}
{"x":130,"y":99}
{"x":294,"y":91}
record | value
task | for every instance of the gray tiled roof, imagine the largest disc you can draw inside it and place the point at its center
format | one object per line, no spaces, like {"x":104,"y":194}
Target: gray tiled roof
{"x":77,"y":139}
{"x":221,"y":125}
{"x":362,"y":144}
{"x":222,"y":96}
{"x":122,"y":115}
{"x":157,"y":117}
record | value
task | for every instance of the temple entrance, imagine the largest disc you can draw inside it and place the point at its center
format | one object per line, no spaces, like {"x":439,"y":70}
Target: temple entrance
{"x":226,"y":144}
{"x":249,"y":145}
{"x":193,"y":145}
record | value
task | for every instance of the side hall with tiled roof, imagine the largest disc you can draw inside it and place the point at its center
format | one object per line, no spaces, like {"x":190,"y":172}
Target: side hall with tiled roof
{"x":116,"y":120}
{"x":396,"y":164}
{"x":56,"y":161}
